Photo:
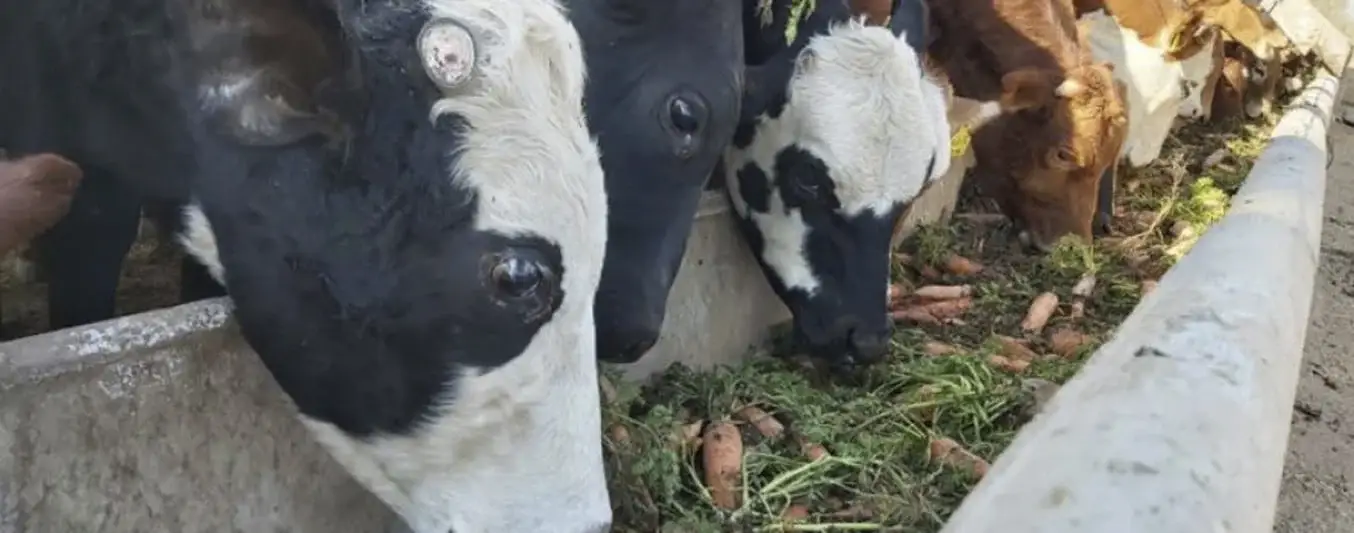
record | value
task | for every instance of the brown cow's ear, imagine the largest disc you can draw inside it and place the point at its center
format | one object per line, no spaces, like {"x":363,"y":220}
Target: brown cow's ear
{"x":1186,"y":32}
{"x":1026,"y":88}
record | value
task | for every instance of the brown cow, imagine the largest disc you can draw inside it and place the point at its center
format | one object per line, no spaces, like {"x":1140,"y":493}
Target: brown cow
{"x":1242,"y":23}
{"x":1062,"y":122}
{"x":1229,"y":98}
{"x":35,"y":192}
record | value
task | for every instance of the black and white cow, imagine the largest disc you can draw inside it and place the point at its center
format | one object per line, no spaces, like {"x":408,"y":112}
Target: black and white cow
{"x":410,"y":218}
{"x":843,"y":129}
{"x":664,"y":82}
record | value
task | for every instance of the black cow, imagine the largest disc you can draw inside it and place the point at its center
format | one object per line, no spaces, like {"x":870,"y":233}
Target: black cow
{"x":402,"y":198}
{"x":664,"y":80}
{"x":842,"y":129}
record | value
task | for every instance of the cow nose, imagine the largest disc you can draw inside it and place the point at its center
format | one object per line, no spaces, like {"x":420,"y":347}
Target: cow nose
{"x":627,"y":346}
{"x":1102,"y":224}
{"x":869,"y":348}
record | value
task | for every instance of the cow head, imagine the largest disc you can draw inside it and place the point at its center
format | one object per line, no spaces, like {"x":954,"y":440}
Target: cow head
{"x":1209,"y":88}
{"x":662,"y":98}
{"x":1043,"y":159}
{"x":1192,"y":41}
{"x":420,"y":280}
{"x":819,"y":179}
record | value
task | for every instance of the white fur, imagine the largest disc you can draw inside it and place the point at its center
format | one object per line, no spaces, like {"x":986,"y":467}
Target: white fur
{"x":199,"y":241}
{"x":517,"y":449}
{"x":1155,"y":95}
{"x":861,"y":105}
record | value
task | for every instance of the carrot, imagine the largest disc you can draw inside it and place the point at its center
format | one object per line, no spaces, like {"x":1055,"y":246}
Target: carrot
{"x":929,"y":272}
{"x":962,"y":266}
{"x":1084,"y":286}
{"x":619,"y":435}
{"x":934,"y":312}
{"x":766,"y":424}
{"x":950,"y":453}
{"x":1015,"y":350}
{"x":795,"y":513}
{"x":723,"y":460}
{"x":943,"y":292}
{"x":1066,"y":341}
{"x":813,"y":451}
{"x":938,"y":349}
{"x":1014,"y":366}
{"x":1148,"y":285}
{"x":1041,"y":309}
{"x":895,"y":293}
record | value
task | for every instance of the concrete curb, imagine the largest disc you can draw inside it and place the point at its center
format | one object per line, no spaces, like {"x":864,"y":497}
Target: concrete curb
{"x":1180,"y":423}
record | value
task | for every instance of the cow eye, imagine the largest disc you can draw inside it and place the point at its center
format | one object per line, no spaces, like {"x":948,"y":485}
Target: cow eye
{"x":682,"y":114}
{"x":517,"y":277}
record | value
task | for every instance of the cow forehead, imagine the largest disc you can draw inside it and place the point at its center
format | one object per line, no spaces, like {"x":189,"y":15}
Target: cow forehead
{"x":863,"y":106}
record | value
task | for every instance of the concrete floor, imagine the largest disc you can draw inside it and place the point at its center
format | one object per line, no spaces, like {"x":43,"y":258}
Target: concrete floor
{"x":1317,"y":495}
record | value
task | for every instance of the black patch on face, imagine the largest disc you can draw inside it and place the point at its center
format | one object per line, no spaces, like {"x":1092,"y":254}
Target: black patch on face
{"x":846,"y":319}
{"x":755,"y":188}
{"x":664,"y":85}
{"x":356,"y":272}
{"x":804,"y":182}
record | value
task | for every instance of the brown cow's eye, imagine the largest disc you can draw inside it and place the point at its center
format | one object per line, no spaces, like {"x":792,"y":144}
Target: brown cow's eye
{"x":1065,"y":155}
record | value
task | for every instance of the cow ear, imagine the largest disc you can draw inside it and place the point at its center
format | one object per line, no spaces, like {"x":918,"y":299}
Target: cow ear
{"x":1026,"y":88}
{"x":270,"y":112}
{"x":1186,"y":32}
{"x":763,"y":83}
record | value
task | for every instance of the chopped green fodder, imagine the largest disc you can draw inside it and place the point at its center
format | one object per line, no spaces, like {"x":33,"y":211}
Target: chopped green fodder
{"x":877,"y":425}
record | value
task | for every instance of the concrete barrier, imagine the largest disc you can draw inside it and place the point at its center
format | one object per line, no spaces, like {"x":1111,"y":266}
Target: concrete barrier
{"x":167,"y":422}
{"x":1179,"y":424}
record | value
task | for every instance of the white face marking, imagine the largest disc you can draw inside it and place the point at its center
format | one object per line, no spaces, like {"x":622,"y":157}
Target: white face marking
{"x":1155,"y":95}
{"x":859,"y":104}
{"x":198,"y":241}
{"x":518,"y":448}
{"x":1195,"y":71}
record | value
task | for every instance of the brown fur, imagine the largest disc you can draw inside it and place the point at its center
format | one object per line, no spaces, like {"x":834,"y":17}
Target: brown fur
{"x":1229,"y":98}
{"x":1044,"y":157}
{"x":877,"y":12}
{"x":1242,"y":23}
{"x":35,"y":193}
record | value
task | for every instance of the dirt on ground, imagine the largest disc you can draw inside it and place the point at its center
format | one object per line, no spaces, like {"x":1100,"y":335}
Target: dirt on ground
{"x":150,"y":280}
{"x":1316,"y":496}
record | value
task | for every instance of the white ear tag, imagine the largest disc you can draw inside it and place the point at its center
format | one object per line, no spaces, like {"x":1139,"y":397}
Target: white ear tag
{"x":448,"y":52}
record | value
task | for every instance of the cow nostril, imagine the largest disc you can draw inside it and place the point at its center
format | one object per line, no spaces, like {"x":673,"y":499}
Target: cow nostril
{"x":869,"y":348}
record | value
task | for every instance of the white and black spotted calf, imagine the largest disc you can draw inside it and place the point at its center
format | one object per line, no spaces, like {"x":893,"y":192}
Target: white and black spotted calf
{"x":842,"y":130}
{"x":411,"y":220}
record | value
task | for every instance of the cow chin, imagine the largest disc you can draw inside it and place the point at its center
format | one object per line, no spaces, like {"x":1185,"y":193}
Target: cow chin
{"x":475,"y":464}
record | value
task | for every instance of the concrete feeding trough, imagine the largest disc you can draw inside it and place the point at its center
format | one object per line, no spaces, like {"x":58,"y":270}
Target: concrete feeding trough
{"x":166,"y":421}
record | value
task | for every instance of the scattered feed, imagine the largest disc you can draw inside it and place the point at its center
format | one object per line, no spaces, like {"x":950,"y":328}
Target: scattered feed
{"x":896,"y":447}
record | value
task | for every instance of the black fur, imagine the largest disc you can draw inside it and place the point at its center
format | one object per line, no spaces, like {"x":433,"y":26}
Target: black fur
{"x":641,"y":54}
